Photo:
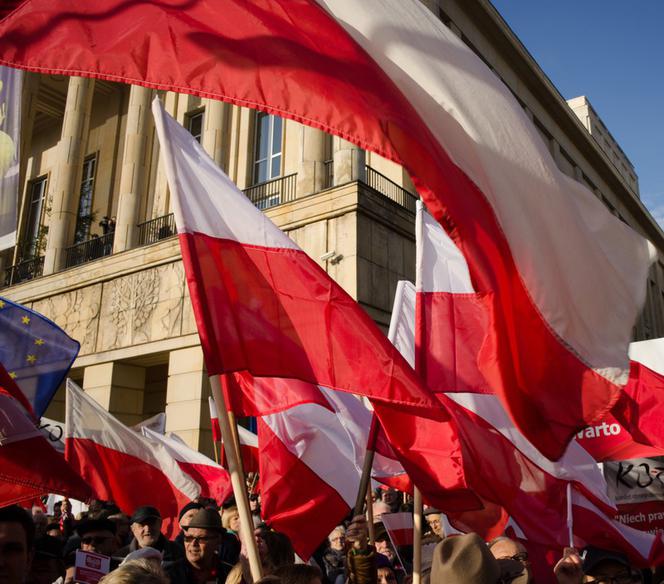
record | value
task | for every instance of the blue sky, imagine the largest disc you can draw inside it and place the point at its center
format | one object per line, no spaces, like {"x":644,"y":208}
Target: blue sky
{"x":612,"y":52}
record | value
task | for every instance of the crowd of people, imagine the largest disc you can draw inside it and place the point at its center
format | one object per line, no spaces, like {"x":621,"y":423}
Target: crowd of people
{"x":36,"y":548}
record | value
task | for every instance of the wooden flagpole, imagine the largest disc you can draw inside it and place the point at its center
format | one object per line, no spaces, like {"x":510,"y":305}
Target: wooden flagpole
{"x":370,"y":517}
{"x":417,"y":495}
{"x":237,"y":480}
{"x":417,"y":536}
{"x":365,"y":479}
{"x":215,"y":445}
{"x":570,"y":516}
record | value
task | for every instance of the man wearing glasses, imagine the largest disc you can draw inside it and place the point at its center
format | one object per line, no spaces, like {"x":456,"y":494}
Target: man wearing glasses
{"x":98,"y":536}
{"x":504,"y":548}
{"x":201,"y":564}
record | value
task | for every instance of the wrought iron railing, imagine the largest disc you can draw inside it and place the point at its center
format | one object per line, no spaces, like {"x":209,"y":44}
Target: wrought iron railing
{"x":328,"y":167}
{"x":379,"y":182}
{"x":156,"y":229}
{"x":87,"y":251}
{"x":24,"y":270}
{"x":273,"y":192}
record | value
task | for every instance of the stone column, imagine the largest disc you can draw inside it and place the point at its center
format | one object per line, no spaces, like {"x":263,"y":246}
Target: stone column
{"x":31,"y":84}
{"x":215,"y":129}
{"x":118,"y":388}
{"x":64,"y":191}
{"x":135,"y":168}
{"x":161,"y":201}
{"x":349,"y":162}
{"x":311,"y":167}
{"x":187,"y":392}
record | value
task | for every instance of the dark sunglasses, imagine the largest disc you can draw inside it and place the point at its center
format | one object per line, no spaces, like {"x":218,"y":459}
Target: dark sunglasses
{"x":198,"y":538}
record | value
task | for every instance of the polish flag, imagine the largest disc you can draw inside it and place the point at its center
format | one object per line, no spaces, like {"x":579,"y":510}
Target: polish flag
{"x":399,"y":527}
{"x":27,"y":477}
{"x":121,"y":465}
{"x":311,"y":458}
{"x":537,"y":243}
{"x":296,"y":324}
{"x":213,"y":480}
{"x":520,"y":486}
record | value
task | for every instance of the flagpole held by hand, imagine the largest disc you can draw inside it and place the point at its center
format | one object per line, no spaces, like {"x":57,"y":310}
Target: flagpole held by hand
{"x":237,"y":479}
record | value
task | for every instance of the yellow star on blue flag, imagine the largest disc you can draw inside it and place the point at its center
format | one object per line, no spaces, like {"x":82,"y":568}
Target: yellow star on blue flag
{"x":37,"y":352}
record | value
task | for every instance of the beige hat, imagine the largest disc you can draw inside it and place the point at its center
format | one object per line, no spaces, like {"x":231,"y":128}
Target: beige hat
{"x":459,"y":559}
{"x":205,"y":519}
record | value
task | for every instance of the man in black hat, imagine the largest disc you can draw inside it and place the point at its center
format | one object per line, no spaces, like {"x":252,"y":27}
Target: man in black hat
{"x":146,"y":529}
{"x":202,"y":563}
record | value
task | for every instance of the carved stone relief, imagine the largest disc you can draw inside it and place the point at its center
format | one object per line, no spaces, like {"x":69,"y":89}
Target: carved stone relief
{"x":77,"y":312}
{"x":142,"y":307}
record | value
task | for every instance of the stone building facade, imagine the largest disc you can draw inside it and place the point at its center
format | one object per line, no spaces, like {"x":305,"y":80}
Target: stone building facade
{"x":97,"y":251}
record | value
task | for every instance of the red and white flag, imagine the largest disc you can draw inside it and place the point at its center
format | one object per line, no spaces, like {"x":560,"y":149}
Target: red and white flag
{"x":29,"y":465}
{"x":297,"y":330}
{"x":399,"y":527}
{"x":311,"y":458}
{"x":121,"y":465}
{"x":538,"y":244}
{"x":521,"y":487}
{"x":213,"y":479}
{"x":296,"y":323}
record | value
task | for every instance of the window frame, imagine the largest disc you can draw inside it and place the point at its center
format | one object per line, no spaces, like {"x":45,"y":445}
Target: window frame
{"x":84,"y":219}
{"x":271,"y":155}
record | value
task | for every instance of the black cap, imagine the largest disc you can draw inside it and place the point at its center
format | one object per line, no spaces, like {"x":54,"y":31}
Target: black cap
{"x":431,"y":511}
{"x":144,"y":514}
{"x":593,"y":556}
{"x":205,"y":519}
{"x":95,"y":525}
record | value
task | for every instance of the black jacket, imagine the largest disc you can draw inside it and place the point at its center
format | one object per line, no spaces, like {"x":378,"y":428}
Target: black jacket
{"x":181,"y":572}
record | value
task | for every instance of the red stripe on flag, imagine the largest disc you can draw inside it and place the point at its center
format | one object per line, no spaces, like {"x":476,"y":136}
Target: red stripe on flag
{"x":292,"y":496}
{"x":127,"y":480}
{"x":296,"y":323}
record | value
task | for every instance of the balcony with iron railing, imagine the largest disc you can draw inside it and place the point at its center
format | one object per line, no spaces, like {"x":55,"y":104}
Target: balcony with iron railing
{"x":273,"y":192}
{"x":90,"y":250}
{"x":388,"y":188}
{"x":156,"y":229}
{"x":24,"y":270}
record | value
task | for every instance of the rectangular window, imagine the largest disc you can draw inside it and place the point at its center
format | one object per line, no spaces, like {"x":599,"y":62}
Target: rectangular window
{"x":195,"y":125}
{"x":37,"y":194}
{"x":84,"y":215}
{"x":267,"y":154}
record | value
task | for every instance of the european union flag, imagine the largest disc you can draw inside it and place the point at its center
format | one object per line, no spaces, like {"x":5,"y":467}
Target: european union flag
{"x":36,"y":352}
